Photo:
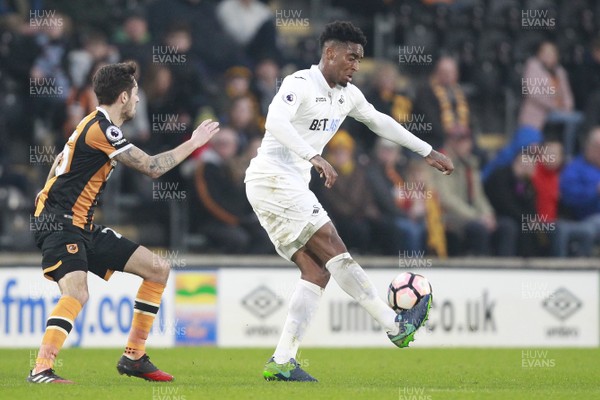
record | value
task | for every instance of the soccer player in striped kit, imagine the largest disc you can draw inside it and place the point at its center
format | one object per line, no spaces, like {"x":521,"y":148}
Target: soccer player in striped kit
{"x":72,"y":244}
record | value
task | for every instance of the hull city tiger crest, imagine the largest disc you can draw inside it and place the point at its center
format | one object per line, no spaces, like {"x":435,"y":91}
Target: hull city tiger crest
{"x":72,"y":248}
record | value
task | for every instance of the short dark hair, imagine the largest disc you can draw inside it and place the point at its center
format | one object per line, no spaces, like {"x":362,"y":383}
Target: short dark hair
{"x":342,"y":31}
{"x":112,"y":80}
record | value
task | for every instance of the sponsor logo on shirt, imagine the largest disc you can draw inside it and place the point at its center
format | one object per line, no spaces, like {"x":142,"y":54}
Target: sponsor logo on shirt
{"x":321,"y":99}
{"x":325,"y":124}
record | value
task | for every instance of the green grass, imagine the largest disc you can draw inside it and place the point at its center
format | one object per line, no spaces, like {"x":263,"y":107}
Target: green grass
{"x":419,"y":374}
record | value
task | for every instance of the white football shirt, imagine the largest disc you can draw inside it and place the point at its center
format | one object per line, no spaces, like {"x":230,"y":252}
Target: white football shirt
{"x":306,"y":113}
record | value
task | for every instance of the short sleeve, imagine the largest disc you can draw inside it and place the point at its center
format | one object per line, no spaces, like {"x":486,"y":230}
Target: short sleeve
{"x":109,"y":140}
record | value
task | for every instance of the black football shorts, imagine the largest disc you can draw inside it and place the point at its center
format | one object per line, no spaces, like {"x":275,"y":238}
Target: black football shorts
{"x":67,"y":248}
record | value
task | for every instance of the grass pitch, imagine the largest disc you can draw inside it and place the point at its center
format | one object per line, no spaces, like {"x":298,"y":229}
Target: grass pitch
{"x":408,"y":374}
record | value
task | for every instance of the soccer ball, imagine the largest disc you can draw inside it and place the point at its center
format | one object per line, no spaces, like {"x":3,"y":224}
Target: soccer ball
{"x":406,"y":290}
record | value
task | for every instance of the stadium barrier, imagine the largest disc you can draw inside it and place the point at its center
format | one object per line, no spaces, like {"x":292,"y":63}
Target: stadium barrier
{"x":242,"y":302}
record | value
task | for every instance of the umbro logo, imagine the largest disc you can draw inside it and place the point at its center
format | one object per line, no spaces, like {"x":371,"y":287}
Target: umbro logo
{"x":341,"y":100}
{"x":321,"y":99}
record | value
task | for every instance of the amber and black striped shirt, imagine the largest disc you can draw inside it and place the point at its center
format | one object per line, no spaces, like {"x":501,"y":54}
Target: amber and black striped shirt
{"x":84,"y":169}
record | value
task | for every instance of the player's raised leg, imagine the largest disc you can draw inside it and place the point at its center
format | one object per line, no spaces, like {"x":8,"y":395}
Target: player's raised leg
{"x":303,"y":305}
{"x":155,"y":272}
{"x":74,"y":295}
{"x":327,"y":246}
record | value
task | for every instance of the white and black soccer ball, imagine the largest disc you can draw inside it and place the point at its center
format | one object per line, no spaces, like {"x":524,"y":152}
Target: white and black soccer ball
{"x":406,"y":290}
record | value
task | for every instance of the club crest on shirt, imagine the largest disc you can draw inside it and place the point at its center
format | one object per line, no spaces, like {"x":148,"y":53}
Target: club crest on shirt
{"x":114,"y":134}
{"x":72,"y":248}
{"x":290,"y":98}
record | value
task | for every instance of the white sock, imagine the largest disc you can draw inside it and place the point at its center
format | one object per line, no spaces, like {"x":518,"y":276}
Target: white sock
{"x":354,"y":281}
{"x":303,"y":306}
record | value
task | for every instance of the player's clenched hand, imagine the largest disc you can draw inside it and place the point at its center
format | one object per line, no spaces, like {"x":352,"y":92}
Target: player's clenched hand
{"x":325,"y":170}
{"x":204,"y":132}
{"x":440,"y":162}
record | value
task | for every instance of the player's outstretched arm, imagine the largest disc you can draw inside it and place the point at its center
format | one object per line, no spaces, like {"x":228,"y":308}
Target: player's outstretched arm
{"x":155,"y":166}
{"x":440,"y":162}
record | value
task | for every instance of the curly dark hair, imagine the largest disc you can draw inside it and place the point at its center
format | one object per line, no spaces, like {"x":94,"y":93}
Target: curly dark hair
{"x":112,"y":80}
{"x":342,"y":31}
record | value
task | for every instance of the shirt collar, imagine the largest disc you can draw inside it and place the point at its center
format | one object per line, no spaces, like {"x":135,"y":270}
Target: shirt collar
{"x":103,"y":111}
{"x":318,"y":75}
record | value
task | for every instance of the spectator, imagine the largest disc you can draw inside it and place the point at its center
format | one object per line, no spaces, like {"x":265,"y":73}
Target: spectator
{"x":244,"y":118}
{"x":49,"y":79}
{"x":580,"y":183}
{"x":386,"y":97}
{"x":80,"y":102}
{"x":511,"y":194}
{"x":586,"y":77}
{"x":230,"y":223}
{"x":189,"y":73}
{"x":548,"y":96}
{"x":250,"y":23}
{"x":389,"y":189}
{"x":264,"y":84}
{"x":96,"y":49}
{"x":210,"y":42}
{"x":133,"y":38}
{"x":471,"y":224}
{"x":547,"y":193}
{"x":443,"y":104}
{"x":163,"y":107}
{"x":237,"y":83}
{"x":525,"y":136}
{"x":350,"y":201}
{"x":423,"y":204}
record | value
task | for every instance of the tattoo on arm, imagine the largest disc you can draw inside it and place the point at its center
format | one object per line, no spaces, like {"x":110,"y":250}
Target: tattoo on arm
{"x":162,"y":162}
{"x":136,"y":159}
{"x":153,"y":166}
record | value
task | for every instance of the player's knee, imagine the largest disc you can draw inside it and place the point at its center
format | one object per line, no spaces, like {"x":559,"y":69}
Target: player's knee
{"x":318,"y":277}
{"x":325,"y":275}
{"x":160,"y":271}
{"x":81,"y":295}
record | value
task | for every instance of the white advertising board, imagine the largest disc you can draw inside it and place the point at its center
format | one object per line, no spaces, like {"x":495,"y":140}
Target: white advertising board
{"x":479,"y":308}
{"x":27,"y":298}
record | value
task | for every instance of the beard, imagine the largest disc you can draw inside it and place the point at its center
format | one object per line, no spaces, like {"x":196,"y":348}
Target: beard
{"x":128,"y":115}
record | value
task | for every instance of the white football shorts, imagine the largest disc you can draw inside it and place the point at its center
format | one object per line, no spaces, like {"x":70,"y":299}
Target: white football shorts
{"x":287,"y":210}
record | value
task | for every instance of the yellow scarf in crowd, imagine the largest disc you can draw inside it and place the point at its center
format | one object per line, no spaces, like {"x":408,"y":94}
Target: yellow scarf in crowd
{"x":436,"y":234}
{"x":451,"y":116}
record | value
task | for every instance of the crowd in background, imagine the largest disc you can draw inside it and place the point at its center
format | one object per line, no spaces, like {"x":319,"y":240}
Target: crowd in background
{"x":536,"y":193}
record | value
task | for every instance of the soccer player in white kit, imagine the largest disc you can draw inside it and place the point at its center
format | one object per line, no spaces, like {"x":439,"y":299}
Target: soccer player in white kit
{"x":304,"y":115}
